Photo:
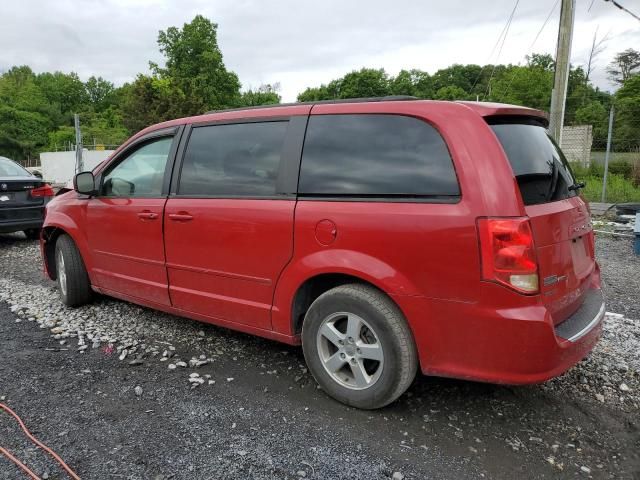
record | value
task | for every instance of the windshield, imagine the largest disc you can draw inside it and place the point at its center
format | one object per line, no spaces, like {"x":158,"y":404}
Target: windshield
{"x":540,"y":167}
{"x":9,"y":168}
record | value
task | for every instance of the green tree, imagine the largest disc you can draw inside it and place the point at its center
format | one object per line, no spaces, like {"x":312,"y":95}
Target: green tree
{"x":323,"y":92}
{"x":195,"y":70}
{"x":25,"y":114}
{"x":366,"y":82}
{"x":100,"y":92}
{"x":463,"y":77}
{"x":541,"y":60}
{"x":625,"y":65}
{"x":412,"y":82}
{"x":595,"y":114}
{"x":363,"y":83}
{"x":148,"y":100}
{"x":263,"y":95}
{"x":19,"y":89}
{"x":451,"y":92}
{"x":22,"y":133}
{"x":64,"y":92}
{"x":529,"y":86}
{"x":626,"y":129}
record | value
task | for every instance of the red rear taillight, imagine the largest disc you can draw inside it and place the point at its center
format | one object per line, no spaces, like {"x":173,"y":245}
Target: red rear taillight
{"x":43,"y":191}
{"x":508,"y":253}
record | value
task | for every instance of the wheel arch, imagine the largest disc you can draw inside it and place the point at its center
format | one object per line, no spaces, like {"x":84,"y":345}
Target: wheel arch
{"x":50,"y":234}
{"x":309,"y":276}
{"x":316,"y":285}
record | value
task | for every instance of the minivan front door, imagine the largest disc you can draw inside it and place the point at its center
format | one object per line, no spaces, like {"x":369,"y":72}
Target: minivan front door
{"x":229,"y":222}
{"x":124,"y":224}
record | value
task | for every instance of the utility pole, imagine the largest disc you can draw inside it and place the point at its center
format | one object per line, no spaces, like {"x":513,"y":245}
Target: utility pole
{"x":561,"y":76}
{"x":606,"y":156}
{"x":79,"y":162}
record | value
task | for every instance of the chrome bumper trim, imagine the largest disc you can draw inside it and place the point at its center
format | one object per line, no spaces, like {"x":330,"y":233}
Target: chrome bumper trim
{"x":599,"y":316}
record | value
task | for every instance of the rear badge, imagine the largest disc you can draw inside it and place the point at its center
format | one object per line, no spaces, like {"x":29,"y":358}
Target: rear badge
{"x":4,"y":198}
{"x":3,"y":186}
{"x":553,"y":279}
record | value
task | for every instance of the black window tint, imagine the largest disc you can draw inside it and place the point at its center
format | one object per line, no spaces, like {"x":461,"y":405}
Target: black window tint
{"x":375,"y":156}
{"x":233,"y":160}
{"x":541,"y":170}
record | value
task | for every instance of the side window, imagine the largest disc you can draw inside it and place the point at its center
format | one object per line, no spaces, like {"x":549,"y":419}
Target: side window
{"x":233,"y":160}
{"x":375,"y":155}
{"x":141,"y":173}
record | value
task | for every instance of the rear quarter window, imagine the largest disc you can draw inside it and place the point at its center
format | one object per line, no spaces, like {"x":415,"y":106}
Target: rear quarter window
{"x":540,"y":168}
{"x":376,"y":155}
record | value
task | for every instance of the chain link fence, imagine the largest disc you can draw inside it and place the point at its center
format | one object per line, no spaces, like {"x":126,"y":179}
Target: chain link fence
{"x":605,"y":144}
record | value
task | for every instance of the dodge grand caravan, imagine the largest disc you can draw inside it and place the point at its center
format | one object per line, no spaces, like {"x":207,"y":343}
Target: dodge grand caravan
{"x":383,"y":236}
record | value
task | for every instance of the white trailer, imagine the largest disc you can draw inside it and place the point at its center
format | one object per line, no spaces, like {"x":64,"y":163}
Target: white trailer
{"x":59,"y":167}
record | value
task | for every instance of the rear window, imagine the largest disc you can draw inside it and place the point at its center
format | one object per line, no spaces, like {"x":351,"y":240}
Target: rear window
{"x":371,"y":156}
{"x":9,"y":168}
{"x":541,"y":169}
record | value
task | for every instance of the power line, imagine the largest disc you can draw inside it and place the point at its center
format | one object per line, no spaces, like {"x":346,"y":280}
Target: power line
{"x":504,"y":38}
{"x":493,"y":49}
{"x":624,"y":9}
{"x":530,"y":49}
{"x":544,"y":24}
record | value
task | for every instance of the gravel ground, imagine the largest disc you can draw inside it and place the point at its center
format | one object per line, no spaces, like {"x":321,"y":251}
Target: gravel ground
{"x":121,"y":391}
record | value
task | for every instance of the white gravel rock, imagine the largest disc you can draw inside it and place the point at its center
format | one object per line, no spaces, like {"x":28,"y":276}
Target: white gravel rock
{"x":132,"y":331}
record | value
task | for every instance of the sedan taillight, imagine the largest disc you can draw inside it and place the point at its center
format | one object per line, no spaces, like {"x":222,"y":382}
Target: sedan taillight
{"x":508,"y":253}
{"x":44,"y":191}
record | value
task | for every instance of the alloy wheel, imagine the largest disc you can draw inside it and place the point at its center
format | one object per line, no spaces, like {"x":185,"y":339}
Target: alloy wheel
{"x":350,"y":350}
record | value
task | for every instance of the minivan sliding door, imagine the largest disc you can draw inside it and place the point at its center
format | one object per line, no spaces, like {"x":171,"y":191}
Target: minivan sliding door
{"x":229,"y":222}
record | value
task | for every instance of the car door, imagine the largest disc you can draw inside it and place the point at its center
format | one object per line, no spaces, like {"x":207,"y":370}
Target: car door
{"x":124,"y":220}
{"x":229,"y":219}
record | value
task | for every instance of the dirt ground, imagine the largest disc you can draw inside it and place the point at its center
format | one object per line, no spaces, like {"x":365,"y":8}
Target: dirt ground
{"x":259,"y":413}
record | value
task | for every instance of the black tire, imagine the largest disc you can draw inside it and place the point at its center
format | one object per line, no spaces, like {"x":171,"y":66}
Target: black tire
{"x":32,"y":233}
{"x":390,"y":331}
{"x":77,"y":289}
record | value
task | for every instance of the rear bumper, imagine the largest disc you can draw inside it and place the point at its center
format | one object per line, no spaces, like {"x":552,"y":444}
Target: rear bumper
{"x":508,"y":345}
{"x":19,"y":225}
{"x":585,"y":319}
{"x":21,"y":218}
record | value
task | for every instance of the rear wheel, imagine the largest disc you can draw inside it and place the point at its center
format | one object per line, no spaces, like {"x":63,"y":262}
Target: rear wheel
{"x":32,"y":233}
{"x":72,"y":278}
{"x":358,"y":346}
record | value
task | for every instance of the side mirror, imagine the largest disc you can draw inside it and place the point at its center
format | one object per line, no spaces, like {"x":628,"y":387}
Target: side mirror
{"x":85,"y":183}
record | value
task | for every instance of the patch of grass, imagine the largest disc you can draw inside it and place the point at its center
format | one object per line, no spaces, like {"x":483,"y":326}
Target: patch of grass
{"x":619,"y":189}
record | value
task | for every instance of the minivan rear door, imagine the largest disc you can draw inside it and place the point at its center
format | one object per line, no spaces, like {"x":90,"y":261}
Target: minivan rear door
{"x":559,"y":218}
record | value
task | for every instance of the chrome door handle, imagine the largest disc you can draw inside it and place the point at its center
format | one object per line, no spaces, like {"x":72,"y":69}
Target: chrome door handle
{"x":181,"y":217}
{"x":147,"y":215}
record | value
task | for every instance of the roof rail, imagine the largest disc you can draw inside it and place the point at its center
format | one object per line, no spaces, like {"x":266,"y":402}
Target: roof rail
{"x":388,"y":98}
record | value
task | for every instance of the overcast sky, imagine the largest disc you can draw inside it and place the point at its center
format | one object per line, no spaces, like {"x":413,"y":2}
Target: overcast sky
{"x":301,"y":43}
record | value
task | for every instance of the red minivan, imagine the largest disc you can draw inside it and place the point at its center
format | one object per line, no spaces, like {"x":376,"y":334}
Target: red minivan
{"x":383,"y":235}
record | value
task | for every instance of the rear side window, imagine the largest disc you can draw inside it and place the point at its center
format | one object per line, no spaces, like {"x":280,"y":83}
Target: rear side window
{"x":375,"y":156}
{"x":541,"y":170}
{"x":233,"y":160}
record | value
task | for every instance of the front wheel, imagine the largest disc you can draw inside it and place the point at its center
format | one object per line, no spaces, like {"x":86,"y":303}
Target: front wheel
{"x":358,"y":346}
{"x":71,"y":274}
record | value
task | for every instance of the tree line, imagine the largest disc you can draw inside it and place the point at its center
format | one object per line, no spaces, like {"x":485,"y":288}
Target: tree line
{"x":529,"y":85}
{"x":36,"y":109}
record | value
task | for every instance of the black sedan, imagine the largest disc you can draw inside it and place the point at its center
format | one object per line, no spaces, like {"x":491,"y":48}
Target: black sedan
{"x":22,"y":199}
